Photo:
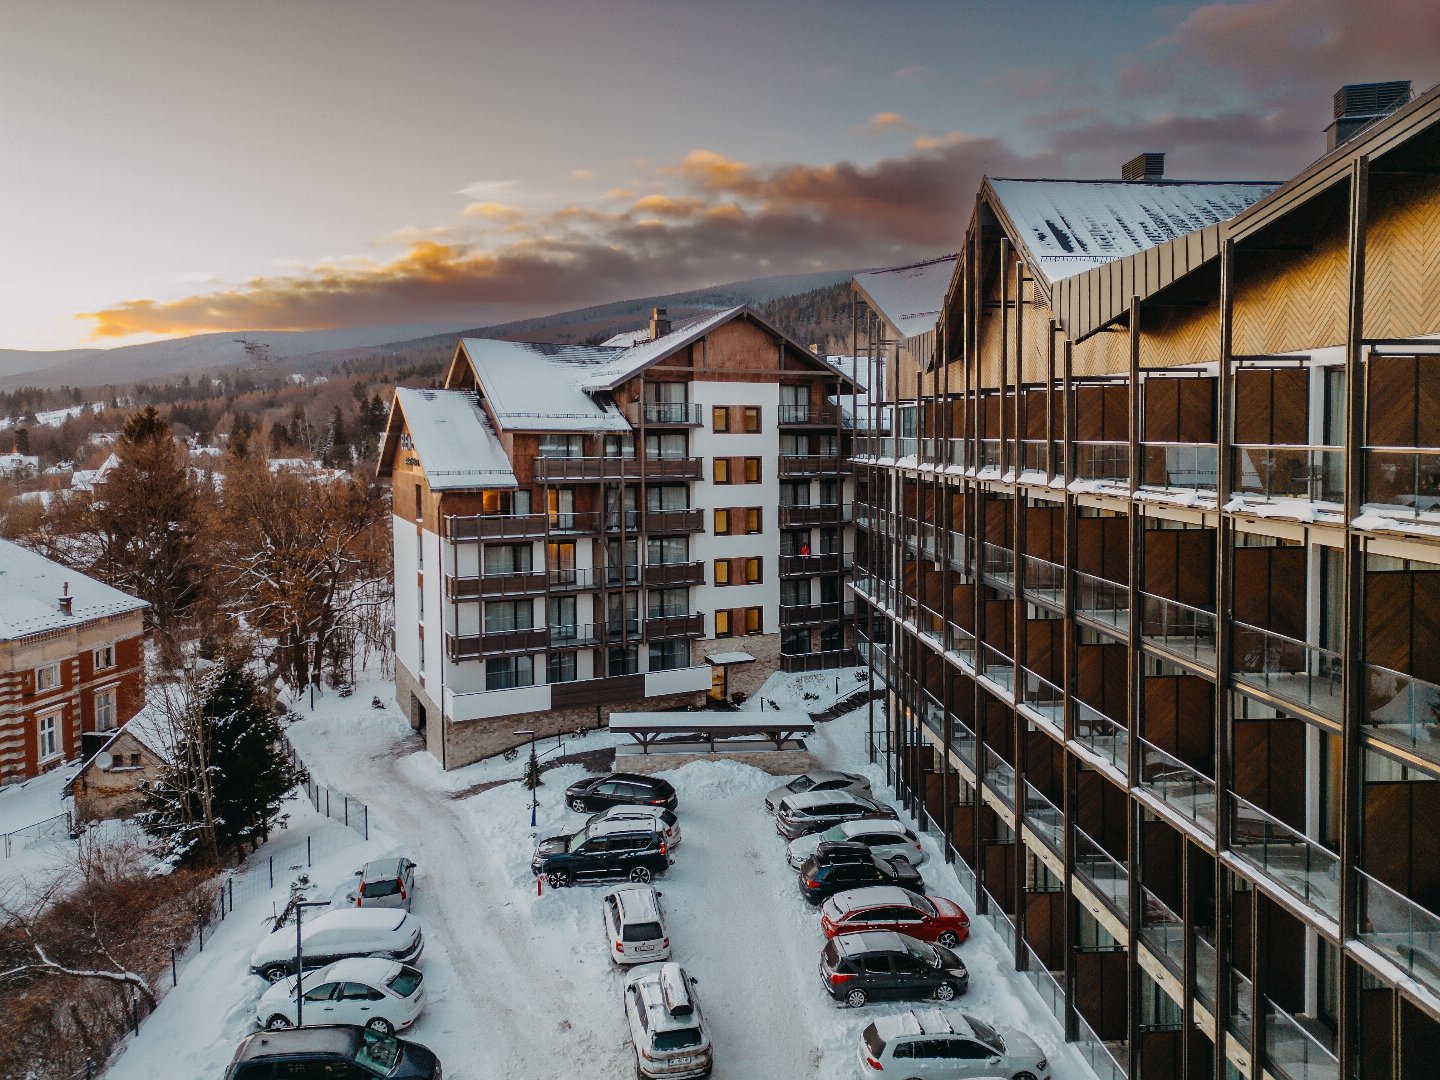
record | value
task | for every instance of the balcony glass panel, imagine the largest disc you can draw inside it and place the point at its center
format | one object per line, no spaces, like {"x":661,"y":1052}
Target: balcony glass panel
{"x":1289,"y":857}
{"x":1307,"y":473}
{"x":962,"y":741}
{"x":961,"y":642}
{"x":1204,"y":969}
{"x":1293,"y":670}
{"x":999,"y":565}
{"x":932,"y":626}
{"x":1177,"y":628}
{"x":990,"y":454}
{"x":997,"y":667}
{"x":1105,"y":872}
{"x":1189,"y":792}
{"x":961,"y":560}
{"x":1096,"y":1054}
{"x":1045,"y":983}
{"x":1404,"y":483}
{"x":932,"y":715}
{"x":1293,"y":1052}
{"x":1104,"y":736}
{"x":1034,"y":456}
{"x":1163,"y":930}
{"x":1403,"y":710}
{"x":999,"y":776}
{"x":1043,"y":696}
{"x":957,"y":453}
{"x":1241,"y":1005}
{"x":570,"y":635}
{"x":1044,"y":816}
{"x":1102,"y":600}
{"x":1179,"y":466}
{"x":907,"y":447}
{"x":1044,"y":581}
{"x":1102,"y":460}
{"x":1401,"y":929}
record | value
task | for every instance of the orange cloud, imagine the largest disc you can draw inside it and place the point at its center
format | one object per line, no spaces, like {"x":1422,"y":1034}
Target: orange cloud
{"x":882,"y":122}
{"x":494,"y":211}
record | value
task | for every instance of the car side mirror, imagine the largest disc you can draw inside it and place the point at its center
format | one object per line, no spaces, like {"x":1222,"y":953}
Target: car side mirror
{"x":359,"y":872}
{"x":409,"y":865}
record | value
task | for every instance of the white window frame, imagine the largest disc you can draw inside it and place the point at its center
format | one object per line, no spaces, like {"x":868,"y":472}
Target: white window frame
{"x":47,"y":678}
{"x":106,"y":698}
{"x":103,"y":657}
{"x":50,"y":727}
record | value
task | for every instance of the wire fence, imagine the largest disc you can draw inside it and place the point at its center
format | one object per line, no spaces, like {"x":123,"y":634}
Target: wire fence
{"x":52,"y":828}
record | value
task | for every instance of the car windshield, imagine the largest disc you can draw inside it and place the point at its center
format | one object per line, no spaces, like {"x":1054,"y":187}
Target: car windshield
{"x":986,"y":1034}
{"x":677,"y":1038}
{"x":799,"y":784}
{"x":922,"y":952}
{"x":574,"y":840}
{"x":379,"y":1051}
{"x":372,"y":889}
{"x":406,"y":982}
{"x":922,"y":905}
{"x":873,"y":1042}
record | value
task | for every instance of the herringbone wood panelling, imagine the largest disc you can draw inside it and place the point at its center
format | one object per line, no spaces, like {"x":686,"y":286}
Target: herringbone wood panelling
{"x":1178,"y":336}
{"x":1036,"y":335}
{"x":1106,"y":353}
{"x":1402,"y":257}
{"x":1288,"y":301}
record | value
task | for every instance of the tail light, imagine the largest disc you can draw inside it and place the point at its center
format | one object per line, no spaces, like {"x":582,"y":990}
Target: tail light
{"x":810,"y":883}
{"x":665,"y":943}
{"x":657,"y":802}
{"x":359,"y":900}
{"x":874,"y":1064}
{"x":840,"y":978}
{"x":619,"y":947}
{"x":662,"y":848}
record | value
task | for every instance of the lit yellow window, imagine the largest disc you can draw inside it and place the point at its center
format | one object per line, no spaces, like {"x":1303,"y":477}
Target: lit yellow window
{"x":752,"y":570}
{"x":752,"y":470}
{"x":752,"y":620}
{"x":722,"y":624}
{"x":752,"y":418}
{"x":722,"y":470}
{"x":722,"y":571}
{"x":752,"y":519}
{"x":720,"y":418}
{"x":722,"y":522}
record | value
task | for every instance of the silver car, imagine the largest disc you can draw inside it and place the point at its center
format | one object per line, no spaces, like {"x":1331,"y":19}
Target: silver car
{"x":385,"y":883}
{"x":668,"y":823}
{"x":818,"y":781}
{"x":947,"y":1044}
{"x":666,"y":1025}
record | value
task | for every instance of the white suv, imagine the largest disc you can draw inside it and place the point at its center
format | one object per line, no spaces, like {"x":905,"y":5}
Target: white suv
{"x":946,"y":1044}
{"x":670,"y":1037}
{"x":634,"y":926}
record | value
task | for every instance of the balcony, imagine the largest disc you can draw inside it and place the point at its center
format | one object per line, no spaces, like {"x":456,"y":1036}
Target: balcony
{"x":1102,"y":460}
{"x":809,"y":416}
{"x":575,"y":635}
{"x":961,"y":553}
{"x":618,"y":630}
{"x":999,"y":775}
{"x":823,"y":660}
{"x":572,"y":580}
{"x":1178,"y":629}
{"x":1102,"y":601}
{"x":495,"y":643}
{"x":990,"y":454}
{"x":1291,"y":670}
{"x":495,"y":527}
{"x":956,"y":453}
{"x":997,"y":667}
{"x":813,"y":464}
{"x":1402,"y":482}
{"x":664,"y":575}
{"x":798,"y":516}
{"x":1401,"y":929}
{"x":474,"y":588}
{"x":1287,"y":856}
{"x":1179,"y":466}
{"x":1307,"y":473}
{"x":1034,"y":455}
{"x":571,"y":523}
{"x":797,"y":615}
{"x":1292,"y":1052}
{"x":1403,"y":710}
{"x":615,"y":577}
{"x":1163,"y":931}
{"x":1044,"y":582}
{"x":552,"y":470}
{"x":659,"y":627}
{"x":1105,"y":873}
{"x":999,"y":566}
{"x":963,"y":741}
{"x":1186,"y":791}
{"x":1103,"y":736}
{"x":814,"y":565}
{"x":1043,"y":697}
{"x":1044,"y":817}
{"x":673,"y":521}
{"x":665,"y":414}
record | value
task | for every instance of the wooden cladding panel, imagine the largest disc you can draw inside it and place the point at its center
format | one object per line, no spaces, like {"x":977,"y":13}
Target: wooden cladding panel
{"x":1403,"y":401}
{"x":1282,"y":954}
{"x":962,"y":605}
{"x":1102,"y":413}
{"x":1287,"y":301}
{"x":1180,"y":564}
{"x":990,"y":416}
{"x":1272,"y":406}
{"x":999,"y":631}
{"x":1402,"y":621}
{"x":1044,"y":764}
{"x":1402,"y":847}
{"x":1402,"y":260}
{"x":1178,"y":717}
{"x":1045,"y":532}
{"x":1100,"y":992}
{"x":1269,"y":767}
{"x":1033,"y":414}
{"x":1100,"y":679}
{"x":1100,"y":809}
{"x":1161,"y":847}
{"x":999,"y":873}
{"x":997,"y":521}
{"x":1045,"y":927}
{"x":1045,"y":648}
{"x":1270,"y":590}
{"x":1103,"y":547}
{"x":1179,"y":410}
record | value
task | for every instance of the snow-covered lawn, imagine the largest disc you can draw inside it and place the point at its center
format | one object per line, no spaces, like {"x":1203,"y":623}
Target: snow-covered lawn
{"x":29,"y":861}
{"x":521,"y":985}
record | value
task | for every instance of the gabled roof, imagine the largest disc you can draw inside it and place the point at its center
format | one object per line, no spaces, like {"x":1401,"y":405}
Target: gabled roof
{"x":909,"y":297}
{"x":454,"y":440}
{"x":530,"y":386}
{"x":32,"y":586}
{"x":630,"y":362}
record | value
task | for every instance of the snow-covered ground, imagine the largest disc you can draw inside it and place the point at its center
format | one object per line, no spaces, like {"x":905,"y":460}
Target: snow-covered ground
{"x":29,"y":860}
{"x":53,"y":417}
{"x":521,"y":984}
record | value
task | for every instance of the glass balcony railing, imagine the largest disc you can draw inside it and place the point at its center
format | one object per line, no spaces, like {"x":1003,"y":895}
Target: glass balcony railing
{"x":961,"y":642}
{"x":1292,"y":1051}
{"x":962,"y":559}
{"x":1103,"y":870}
{"x":906,"y":447}
{"x":931,"y":625}
{"x":1404,"y":482}
{"x":1034,"y":456}
{"x":999,"y":565}
{"x":990,"y":454}
{"x":1045,"y":983}
{"x":999,"y":775}
{"x":1163,"y":930}
{"x":1403,"y":710}
{"x":1043,"y":696}
{"x":1179,"y":466}
{"x":1102,"y":601}
{"x":1102,"y":460}
{"x":1308,"y":473}
{"x":997,"y":667}
{"x":1187,"y":791}
{"x":1241,"y":1005}
{"x":1098,"y":733}
{"x":962,"y":741}
{"x":1096,"y":1054}
{"x":1205,"y":968}
{"x":1044,"y":817}
{"x":1177,"y":628}
{"x":932,"y":715}
{"x":1293,"y":670}
{"x":1286,"y":855}
{"x":1044,"y":581}
{"x":957,"y":453}
{"x":1395,"y":925}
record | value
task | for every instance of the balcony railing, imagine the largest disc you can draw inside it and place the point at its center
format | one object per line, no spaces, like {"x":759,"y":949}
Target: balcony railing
{"x":962,"y":741}
{"x":996,"y":666}
{"x":572,"y":579}
{"x":990,"y":454}
{"x":999,"y":563}
{"x":1403,"y":481}
{"x":1179,"y":466}
{"x":1163,"y":930}
{"x":1097,"y":459}
{"x":616,"y":576}
{"x":1292,"y":1051}
{"x":1097,"y":732}
{"x":814,"y":565}
{"x":1293,"y":670}
{"x":1043,"y":696}
{"x":1403,"y":710}
{"x":795,"y":515}
{"x":660,"y":413}
{"x":1044,"y":817}
{"x":1103,"y":870}
{"x":1307,"y":473}
{"x":961,"y":642}
{"x":673,"y":521}
{"x":620,"y":629}
{"x":1102,"y":600}
{"x":999,"y":775}
{"x":1404,"y":931}
{"x":548,"y":470}
{"x":1044,"y":581}
{"x":815,"y":614}
{"x":812,"y":464}
{"x":495,"y":527}
{"x":1288,"y":856}
{"x":568,"y":521}
{"x":814,"y":415}
{"x":1186,"y":790}
{"x":574,"y":635}
{"x":495,"y":643}
{"x":821,"y":660}
{"x":659,"y":627}
{"x":1184,"y":631}
{"x":957,"y":453}
{"x":664,"y":575}
{"x":1034,"y":455}
{"x":931,"y":624}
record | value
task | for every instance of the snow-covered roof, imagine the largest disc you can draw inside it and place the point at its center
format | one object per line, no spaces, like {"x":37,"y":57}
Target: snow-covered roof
{"x":532,"y":386}
{"x":910,"y":297}
{"x":32,"y":586}
{"x":457,"y":446}
{"x":629,"y":362}
{"x":151,"y":730}
{"x":626,"y":338}
{"x":1069,"y":226}
{"x":724,"y":658}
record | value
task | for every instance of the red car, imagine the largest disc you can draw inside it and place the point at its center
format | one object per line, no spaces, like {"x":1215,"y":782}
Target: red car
{"x":885,"y":907}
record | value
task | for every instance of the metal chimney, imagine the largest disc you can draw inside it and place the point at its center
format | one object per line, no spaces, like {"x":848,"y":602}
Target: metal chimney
{"x":67,"y":602}
{"x":1358,"y":105}
{"x":1146,"y":167}
{"x":659,"y":324}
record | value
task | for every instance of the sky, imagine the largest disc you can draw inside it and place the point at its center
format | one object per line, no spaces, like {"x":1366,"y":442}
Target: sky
{"x":170,"y":167}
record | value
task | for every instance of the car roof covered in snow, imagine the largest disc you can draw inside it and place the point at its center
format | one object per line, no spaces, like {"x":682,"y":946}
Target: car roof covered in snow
{"x":330,"y":1039}
{"x":454,"y":439}
{"x":348,"y":918}
{"x":872,"y":896}
{"x":372,"y":970}
{"x":32,"y":586}
{"x":870,"y":941}
{"x":640,"y":903}
{"x":612,"y":826}
{"x":924,"y":1022}
{"x":811,"y":800}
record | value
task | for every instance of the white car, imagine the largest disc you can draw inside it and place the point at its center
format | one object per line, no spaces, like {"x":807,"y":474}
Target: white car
{"x":947,"y":1044}
{"x":634,"y":926}
{"x":818,"y":781}
{"x":665,"y":820}
{"x":883,"y":836}
{"x":391,"y":933}
{"x":383,"y":995}
{"x":669,"y":1033}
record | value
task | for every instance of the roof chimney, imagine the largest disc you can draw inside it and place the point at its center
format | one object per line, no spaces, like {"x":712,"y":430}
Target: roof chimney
{"x":67,"y":602}
{"x":1147,"y":166}
{"x":659,"y":324}
{"x":1359,"y":105}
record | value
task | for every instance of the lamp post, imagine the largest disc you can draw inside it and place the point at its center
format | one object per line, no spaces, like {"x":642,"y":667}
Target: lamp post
{"x":532,"y":778}
{"x":311,"y":644}
{"x":300,"y":906}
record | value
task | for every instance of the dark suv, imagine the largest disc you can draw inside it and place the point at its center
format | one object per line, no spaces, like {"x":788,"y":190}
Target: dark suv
{"x":620,"y":789}
{"x":836,"y":867}
{"x":856,"y":968}
{"x":321,"y":1053}
{"x":607,"y":849}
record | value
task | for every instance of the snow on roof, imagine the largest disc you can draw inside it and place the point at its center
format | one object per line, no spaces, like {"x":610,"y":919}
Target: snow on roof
{"x":1069,"y":226}
{"x":32,"y":586}
{"x":721,"y":659}
{"x":770,"y":719}
{"x":910,"y":297}
{"x":457,"y":446}
{"x":531,"y":386}
{"x":627,"y":338}
{"x":628,"y":362}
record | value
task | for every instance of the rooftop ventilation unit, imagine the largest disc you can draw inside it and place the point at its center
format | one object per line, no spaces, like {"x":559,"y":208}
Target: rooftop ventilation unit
{"x":1150,"y":166}
{"x":1359,"y":105}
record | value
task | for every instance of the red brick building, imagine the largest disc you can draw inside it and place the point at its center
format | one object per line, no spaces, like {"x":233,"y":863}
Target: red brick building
{"x":71,"y":661}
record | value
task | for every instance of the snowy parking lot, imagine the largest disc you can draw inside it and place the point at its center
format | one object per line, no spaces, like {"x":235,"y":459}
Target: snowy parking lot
{"x":522,"y":985}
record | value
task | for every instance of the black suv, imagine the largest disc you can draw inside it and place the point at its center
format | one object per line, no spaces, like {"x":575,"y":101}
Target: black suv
{"x":620,"y":789}
{"x":608,"y":849}
{"x":838,"y":865}
{"x":321,"y":1053}
{"x":876,"y":964}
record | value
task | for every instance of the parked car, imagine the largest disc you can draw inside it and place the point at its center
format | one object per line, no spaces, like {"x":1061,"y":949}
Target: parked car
{"x":666,"y":1024}
{"x":337,"y":935}
{"x":625,"y":849}
{"x":878,"y":964}
{"x":321,"y":1053}
{"x":818,"y":781}
{"x":634,"y":925}
{"x":836,"y":868}
{"x":881,"y":907}
{"x":385,"y":883}
{"x":947,"y":1044}
{"x":820,"y":810}
{"x":385,"y":995}
{"x":670,"y":824}
{"x":886,"y":837}
{"x":620,"y":789}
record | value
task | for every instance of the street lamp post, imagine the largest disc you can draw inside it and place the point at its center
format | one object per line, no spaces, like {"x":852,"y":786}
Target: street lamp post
{"x":532,"y":777}
{"x":310,"y":646}
{"x":300,"y":906}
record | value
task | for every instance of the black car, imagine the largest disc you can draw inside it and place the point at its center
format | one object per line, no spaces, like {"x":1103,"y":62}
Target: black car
{"x":836,"y":867}
{"x":878,"y":964}
{"x":322,"y":1053}
{"x":610,"y":849}
{"x":620,"y":789}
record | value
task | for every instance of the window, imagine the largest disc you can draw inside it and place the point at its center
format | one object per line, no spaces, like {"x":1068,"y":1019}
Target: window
{"x":419,"y":503}
{"x":563,"y":612}
{"x":672,"y":446}
{"x":105,"y":711}
{"x":502,"y":615}
{"x":667,"y":551}
{"x":669,"y":655}
{"x":509,"y":559}
{"x":795,"y":493}
{"x":752,"y":470}
{"x":49,"y":731}
{"x":722,"y":522}
{"x":722,"y":571}
{"x":507,"y":672}
{"x":622,"y":660}
{"x":47,"y":678}
{"x":505,"y":502}
{"x":134,"y":761}
{"x":562,"y":667}
{"x":795,"y":592}
{"x":753,"y":570}
{"x":720,"y":418}
{"x":753,"y":617}
{"x":752,"y":419}
{"x":620,"y":447}
{"x":104,"y":657}
{"x":722,"y":470}
{"x":560,"y":446}
{"x":667,"y":497}
{"x":794,"y":642}
{"x":666,"y":603}
{"x":722,"y":624}
{"x":752,"y":520}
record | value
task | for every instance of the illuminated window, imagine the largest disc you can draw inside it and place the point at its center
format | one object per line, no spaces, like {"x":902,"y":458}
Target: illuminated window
{"x":752,"y":620}
{"x":722,"y":522}
{"x":722,"y":624}
{"x":752,"y":520}
{"x":722,"y":470}
{"x":752,"y":470}
{"x":722,"y":571}
{"x":720,"y":418}
{"x":752,"y":419}
{"x":753,"y":570}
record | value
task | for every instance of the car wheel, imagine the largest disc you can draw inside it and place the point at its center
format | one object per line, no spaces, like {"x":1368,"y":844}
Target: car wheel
{"x":640,"y":875}
{"x":856,"y":998}
{"x":275,"y":972}
{"x":578,"y":805}
{"x":278,"y":1023}
{"x":558,"y":879}
{"x":945,"y":992}
{"x":380,"y":1024}
{"x":949,"y":939}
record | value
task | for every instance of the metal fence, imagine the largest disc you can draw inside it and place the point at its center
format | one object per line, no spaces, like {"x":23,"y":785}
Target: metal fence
{"x":58,"y":827}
